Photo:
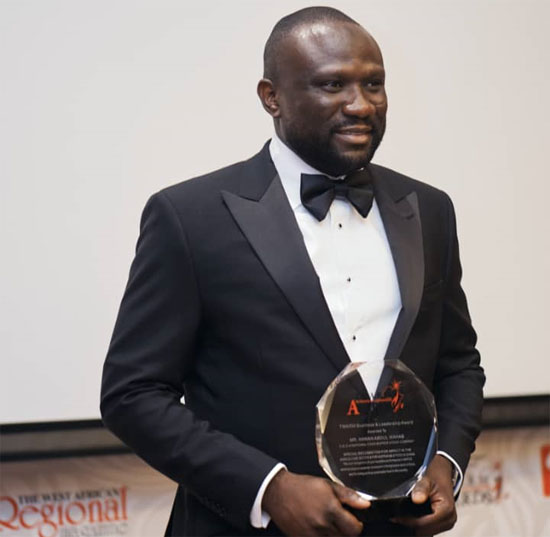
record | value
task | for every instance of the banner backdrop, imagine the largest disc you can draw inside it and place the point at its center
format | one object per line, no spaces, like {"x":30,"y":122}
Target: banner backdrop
{"x":84,"y":497}
{"x":506,"y":489}
{"x":506,"y":493}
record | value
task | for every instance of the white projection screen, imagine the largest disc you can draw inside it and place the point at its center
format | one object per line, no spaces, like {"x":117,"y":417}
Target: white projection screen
{"x":103,"y":103}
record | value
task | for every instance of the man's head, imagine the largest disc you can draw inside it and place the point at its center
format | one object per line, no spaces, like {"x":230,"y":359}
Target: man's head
{"x":324,"y":87}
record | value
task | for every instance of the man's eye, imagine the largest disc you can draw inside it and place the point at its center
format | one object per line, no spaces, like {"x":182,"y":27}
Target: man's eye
{"x":374,"y":84}
{"x":332,"y":85}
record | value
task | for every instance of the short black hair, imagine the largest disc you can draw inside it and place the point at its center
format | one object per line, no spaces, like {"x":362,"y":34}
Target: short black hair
{"x":286,"y":25}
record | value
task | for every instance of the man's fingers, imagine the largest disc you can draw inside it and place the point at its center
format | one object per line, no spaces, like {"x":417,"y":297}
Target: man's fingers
{"x":425,"y":525}
{"x":345,"y":523}
{"x":349,"y":497}
{"x":421,"y":491}
{"x":442,"y":519}
{"x":334,"y":519}
{"x":306,"y":505}
{"x":435,"y":485}
{"x":429,"y":524}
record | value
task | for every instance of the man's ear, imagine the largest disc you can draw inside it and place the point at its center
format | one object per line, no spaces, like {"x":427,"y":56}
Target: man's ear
{"x":267,"y":94}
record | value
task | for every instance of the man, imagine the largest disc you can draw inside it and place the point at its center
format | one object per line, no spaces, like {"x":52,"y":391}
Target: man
{"x":254,"y":286}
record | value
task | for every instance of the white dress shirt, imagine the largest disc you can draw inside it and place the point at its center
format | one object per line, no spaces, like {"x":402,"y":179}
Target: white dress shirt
{"x":353,"y":260}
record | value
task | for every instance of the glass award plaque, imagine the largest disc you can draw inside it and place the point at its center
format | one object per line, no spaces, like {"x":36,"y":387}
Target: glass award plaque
{"x":376,"y":432}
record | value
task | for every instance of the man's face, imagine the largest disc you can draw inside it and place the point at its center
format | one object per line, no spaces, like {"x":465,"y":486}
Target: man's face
{"x":331,"y":97}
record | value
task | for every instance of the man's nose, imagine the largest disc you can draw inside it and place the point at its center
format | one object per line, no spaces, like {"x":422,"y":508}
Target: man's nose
{"x":358,"y":103}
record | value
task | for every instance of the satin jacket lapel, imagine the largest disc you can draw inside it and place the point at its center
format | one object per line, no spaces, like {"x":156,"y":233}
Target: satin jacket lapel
{"x":270,"y":227}
{"x":401,"y":217}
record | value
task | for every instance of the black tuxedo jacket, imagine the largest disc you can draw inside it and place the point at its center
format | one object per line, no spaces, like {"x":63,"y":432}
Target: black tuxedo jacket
{"x":223,"y":305}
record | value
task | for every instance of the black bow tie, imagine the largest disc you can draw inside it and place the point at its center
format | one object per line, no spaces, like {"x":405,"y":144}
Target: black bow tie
{"x":318,"y":192}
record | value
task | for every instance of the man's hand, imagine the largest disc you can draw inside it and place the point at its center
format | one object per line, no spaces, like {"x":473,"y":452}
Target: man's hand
{"x":437,"y":486}
{"x":306,"y":505}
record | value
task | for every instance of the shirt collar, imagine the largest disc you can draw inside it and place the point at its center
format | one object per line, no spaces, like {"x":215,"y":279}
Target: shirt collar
{"x":290,"y":168}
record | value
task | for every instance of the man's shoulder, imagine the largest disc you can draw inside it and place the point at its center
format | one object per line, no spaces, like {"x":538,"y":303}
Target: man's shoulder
{"x":221,"y":179}
{"x":229,"y":178}
{"x":399,"y":183}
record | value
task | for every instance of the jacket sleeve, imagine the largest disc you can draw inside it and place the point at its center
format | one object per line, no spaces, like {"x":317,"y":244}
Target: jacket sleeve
{"x":459,"y":378}
{"x":150,"y":355}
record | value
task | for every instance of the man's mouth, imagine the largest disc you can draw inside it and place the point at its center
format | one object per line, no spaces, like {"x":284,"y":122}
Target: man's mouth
{"x":359,"y":135}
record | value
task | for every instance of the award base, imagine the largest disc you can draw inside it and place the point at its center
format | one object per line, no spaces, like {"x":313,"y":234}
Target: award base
{"x":396,"y":507}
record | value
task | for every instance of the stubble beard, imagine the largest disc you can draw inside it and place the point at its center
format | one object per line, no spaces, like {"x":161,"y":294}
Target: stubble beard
{"x":319,"y":153}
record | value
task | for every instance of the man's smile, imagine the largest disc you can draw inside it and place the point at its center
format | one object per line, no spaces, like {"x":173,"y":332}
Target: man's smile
{"x":356,"y":135}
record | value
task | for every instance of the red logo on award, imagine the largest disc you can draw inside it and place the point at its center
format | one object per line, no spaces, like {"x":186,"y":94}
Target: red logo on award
{"x":545,"y":467}
{"x":390,"y":394}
